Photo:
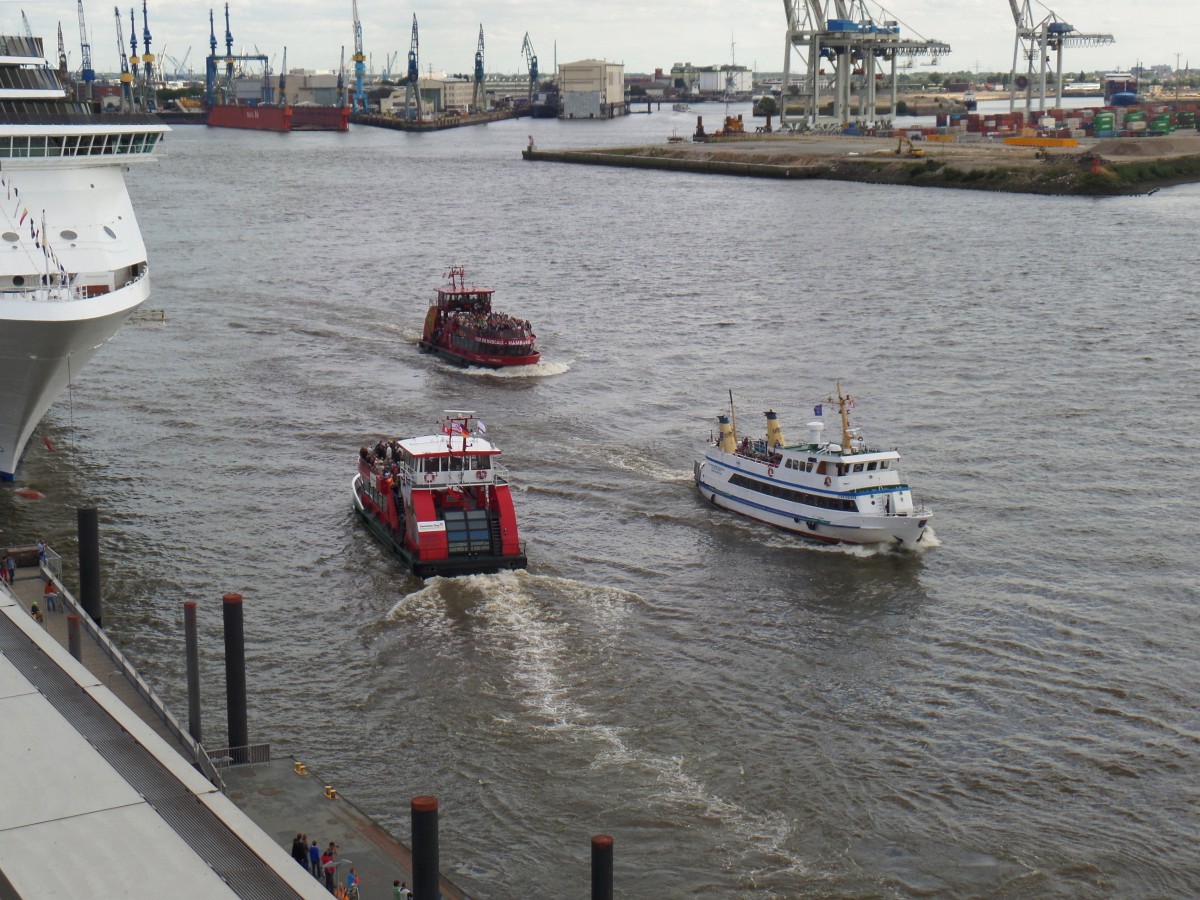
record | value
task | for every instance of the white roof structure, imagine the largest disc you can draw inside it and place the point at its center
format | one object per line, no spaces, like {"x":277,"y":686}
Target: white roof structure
{"x":440,"y":444}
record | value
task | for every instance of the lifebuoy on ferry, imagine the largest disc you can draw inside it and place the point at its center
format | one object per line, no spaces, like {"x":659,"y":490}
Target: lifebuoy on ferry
{"x":431,"y":476}
{"x":770,"y":472}
{"x":828,"y":481}
{"x":481,"y":474}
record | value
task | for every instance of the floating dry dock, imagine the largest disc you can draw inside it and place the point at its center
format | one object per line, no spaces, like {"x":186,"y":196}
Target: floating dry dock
{"x":1115,"y":166}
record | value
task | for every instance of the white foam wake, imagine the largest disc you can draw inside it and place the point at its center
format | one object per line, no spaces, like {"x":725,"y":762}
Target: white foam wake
{"x":535,"y":639}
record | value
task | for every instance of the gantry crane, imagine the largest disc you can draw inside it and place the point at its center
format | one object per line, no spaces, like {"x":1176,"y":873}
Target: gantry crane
{"x":87,"y":74}
{"x":1033,"y":40}
{"x":149,"y":98}
{"x":360,"y":63}
{"x":478,"y":94}
{"x":531,"y":64}
{"x":210,"y":65}
{"x":28,"y":30}
{"x":412,"y":80}
{"x":126,"y":75}
{"x":844,"y":36}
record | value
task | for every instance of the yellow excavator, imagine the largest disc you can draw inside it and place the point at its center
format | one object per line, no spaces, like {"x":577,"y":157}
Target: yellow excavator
{"x":904,"y":144}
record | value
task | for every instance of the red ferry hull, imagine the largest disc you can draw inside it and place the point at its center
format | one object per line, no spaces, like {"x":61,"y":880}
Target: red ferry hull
{"x":485,"y":360}
{"x":257,"y":118}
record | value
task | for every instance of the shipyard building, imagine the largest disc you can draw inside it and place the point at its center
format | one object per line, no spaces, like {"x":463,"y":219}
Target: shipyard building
{"x":591,"y":89}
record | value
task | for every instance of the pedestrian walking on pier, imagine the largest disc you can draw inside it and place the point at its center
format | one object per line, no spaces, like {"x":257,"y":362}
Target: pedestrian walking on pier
{"x":50,"y":595}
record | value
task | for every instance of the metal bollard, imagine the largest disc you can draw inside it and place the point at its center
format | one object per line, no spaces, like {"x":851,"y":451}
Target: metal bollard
{"x":602,"y":867}
{"x":88,"y":519}
{"x":425,"y":848}
{"x":235,"y":677}
{"x":193,"y":671}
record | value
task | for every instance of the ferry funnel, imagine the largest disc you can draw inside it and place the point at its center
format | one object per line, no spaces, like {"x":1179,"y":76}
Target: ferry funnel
{"x":814,"y":432}
{"x":726,"y":443}
{"x":774,"y":432}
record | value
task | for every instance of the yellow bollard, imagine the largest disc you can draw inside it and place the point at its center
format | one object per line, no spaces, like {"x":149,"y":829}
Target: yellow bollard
{"x":300,"y":768}
{"x":330,"y":792}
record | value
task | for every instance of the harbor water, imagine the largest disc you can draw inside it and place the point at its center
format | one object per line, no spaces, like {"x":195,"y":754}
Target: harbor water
{"x":1011,"y":712}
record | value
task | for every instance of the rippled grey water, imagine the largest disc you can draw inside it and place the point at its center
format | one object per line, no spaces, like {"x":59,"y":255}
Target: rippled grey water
{"x":1011,"y":713}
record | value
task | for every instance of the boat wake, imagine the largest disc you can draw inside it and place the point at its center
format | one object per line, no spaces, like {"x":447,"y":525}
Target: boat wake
{"x":531,"y":624}
{"x":543,"y":369}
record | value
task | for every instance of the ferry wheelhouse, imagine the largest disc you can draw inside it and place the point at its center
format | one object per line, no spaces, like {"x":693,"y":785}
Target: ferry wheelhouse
{"x":462,"y":326}
{"x":440,"y":502}
{"x":833,"y":492}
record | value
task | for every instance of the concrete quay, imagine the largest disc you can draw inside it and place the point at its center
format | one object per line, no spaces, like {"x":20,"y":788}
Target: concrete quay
{"x":281,"y":796}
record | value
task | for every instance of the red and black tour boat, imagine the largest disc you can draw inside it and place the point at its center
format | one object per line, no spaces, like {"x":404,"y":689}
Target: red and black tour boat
{"x":440,"y":502}
{"x":462,"y":326}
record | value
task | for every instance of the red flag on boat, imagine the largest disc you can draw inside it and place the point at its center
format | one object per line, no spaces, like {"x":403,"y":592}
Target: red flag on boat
{"x":46,"y":441}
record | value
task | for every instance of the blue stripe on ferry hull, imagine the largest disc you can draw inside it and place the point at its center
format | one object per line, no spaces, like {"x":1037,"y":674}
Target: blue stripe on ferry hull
{"x":704,"y":486}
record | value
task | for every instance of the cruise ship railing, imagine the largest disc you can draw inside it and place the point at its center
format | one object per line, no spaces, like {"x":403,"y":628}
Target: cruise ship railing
{"x":199,"y":755}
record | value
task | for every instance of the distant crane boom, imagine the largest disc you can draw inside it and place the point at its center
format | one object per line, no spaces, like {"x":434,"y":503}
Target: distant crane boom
{"x":412,"y":79}
{"x":479,"y":94}
{"x":126,"y":76}
{"x":28,"y":30}
{"x":360,"y":64}
{"x":341,"y":80}
{"x":147,"y":60}
{"x":87,"y":73}
{"x":62,"y":56}
{"x":531,"y":63}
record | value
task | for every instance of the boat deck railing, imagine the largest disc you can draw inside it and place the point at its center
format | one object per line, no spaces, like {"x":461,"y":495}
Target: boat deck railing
{"x":69,"y":293}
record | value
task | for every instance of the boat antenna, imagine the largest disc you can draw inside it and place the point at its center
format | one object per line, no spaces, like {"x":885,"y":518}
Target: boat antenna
{"x":733,"y":418}
{"x":843,"y":406}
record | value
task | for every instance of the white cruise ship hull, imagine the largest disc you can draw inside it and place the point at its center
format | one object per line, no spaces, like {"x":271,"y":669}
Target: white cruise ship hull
{"x":43,"y":346}
{"x":712,"y":477}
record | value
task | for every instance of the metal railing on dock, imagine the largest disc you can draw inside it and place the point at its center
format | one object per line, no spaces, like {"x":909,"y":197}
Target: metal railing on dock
{"x":250,"y":755}
{"x":199,"y":755}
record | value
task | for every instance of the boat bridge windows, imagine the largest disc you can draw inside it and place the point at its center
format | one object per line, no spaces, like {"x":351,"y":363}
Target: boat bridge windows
{"x":454,"y":463}
{"x":821,"y":501}
{"x":54,"y":145}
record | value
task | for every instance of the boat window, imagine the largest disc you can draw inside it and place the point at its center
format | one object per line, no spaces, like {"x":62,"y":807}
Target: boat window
{"x":883,"y":463}
{"x":483,"y":462}
{"x":871,"y":466}
{"x":773,"y":489}
{"x":858,"y":467}
{"x":456,"y":463}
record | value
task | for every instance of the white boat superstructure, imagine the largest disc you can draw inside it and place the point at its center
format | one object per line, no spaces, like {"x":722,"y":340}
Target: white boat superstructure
{"x":834,"y":492}
{"x":72,"y":261}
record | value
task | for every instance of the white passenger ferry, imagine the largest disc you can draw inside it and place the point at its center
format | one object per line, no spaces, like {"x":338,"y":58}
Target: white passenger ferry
{"x":834,"y":492}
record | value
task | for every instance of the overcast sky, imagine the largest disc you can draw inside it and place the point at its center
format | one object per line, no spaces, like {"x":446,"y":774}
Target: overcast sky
{"x":641,"y":35}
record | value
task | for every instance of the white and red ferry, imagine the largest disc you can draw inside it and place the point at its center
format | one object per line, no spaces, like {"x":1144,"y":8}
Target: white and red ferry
{"x":462,"y":326}
{"x":440,"y":502}
{"x":843,"y":492}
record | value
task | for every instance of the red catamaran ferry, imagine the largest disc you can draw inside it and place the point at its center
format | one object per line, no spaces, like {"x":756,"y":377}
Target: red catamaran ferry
{"x":462,"y":326}
{"x":440,"y":502}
